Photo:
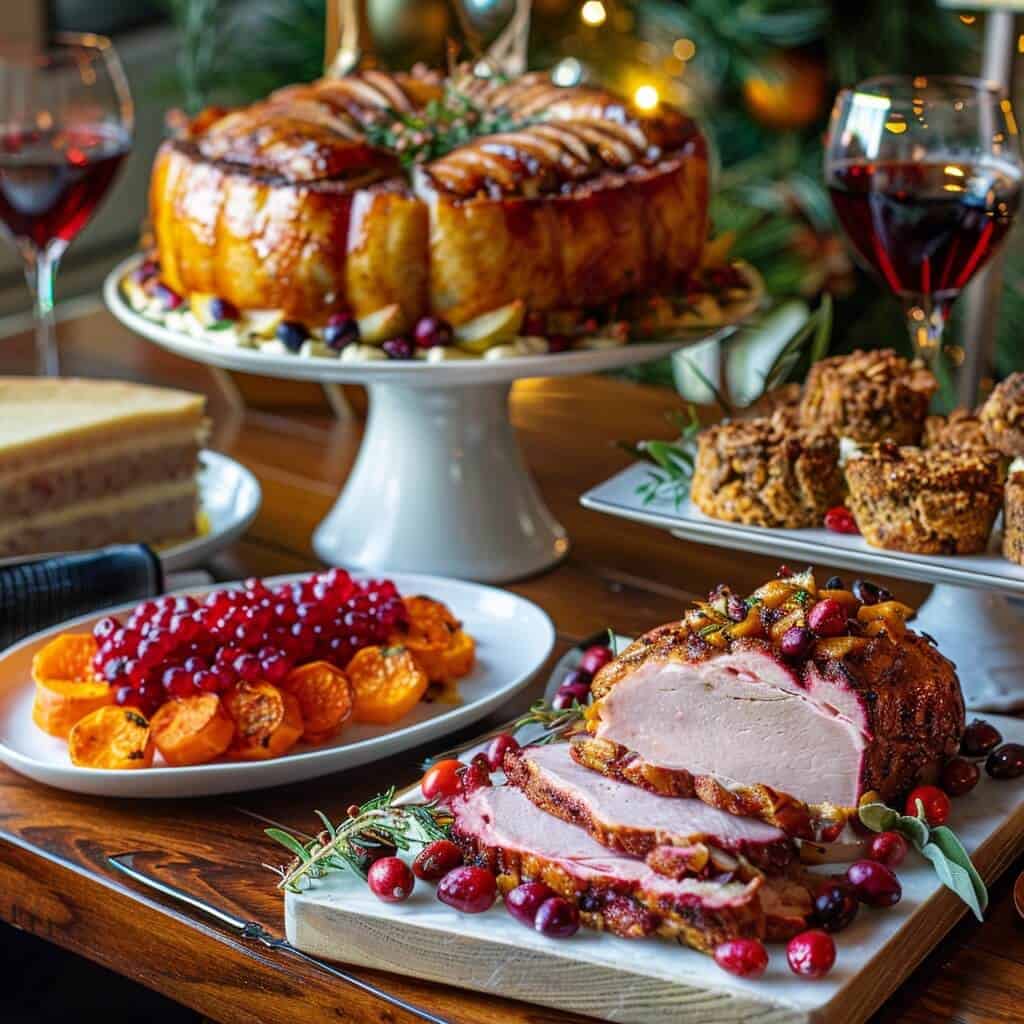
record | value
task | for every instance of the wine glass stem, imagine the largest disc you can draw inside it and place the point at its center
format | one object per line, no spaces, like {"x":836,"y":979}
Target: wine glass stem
{"x":926,"y":321}
{"x":40,"y":273}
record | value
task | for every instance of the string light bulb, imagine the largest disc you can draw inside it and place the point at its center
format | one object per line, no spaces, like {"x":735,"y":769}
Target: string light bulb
{"x":646,"y":97}
{"x":593,"y":13}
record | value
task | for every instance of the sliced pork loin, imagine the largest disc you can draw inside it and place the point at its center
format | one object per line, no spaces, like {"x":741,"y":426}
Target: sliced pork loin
{"x":678,"y":837}
{"x":794,"y":741}
{"x":499,"y":828}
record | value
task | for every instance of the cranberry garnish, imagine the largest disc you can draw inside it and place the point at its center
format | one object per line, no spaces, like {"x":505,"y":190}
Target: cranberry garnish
{"x":398,"y":348}
{"x":840,"y":520}
{"x":248,"y":668}
{"x":811,"y":954}
{"x":595,"y":658}
{"x":525,"y":900}
{"x":105,"y":628}
{"x":207,"y":681}
{"x":436,"y":859}
{"x":168,"y":297}
{"x":369,"y":848}
{"x":390,"y":879}
{"x":796,"y":642}
{"x":476,"y":775}
{"x":127,"y":696}
{"x":835,"y":906}
{"x":341,"y":331}
{"x":980,"y":739}
{"x":959,"y":776}
{"x":1006,"y":762}
{"x":934,"y":801}
{"x":827,"y":617}
{"x":566,"y":696}
{"x":145,"y":271}
{"x":888,"y":848}
{"x":497,"y":748}
{"x":746,"y":958}
{"x":557,"y":918}
{"x":865,"y":592}
{"x":292,"y":334}
{"x":469,"y":889}
{"x":835,"y":583}
{"x":874,"y":884}
{"x":433,"y":332}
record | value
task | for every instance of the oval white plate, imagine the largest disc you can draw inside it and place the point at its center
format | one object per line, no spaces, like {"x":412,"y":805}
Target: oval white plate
{"x":514,"y":638}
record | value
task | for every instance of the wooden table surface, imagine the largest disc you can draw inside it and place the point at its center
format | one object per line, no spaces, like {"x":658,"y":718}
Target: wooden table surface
{"x":54,"y":880}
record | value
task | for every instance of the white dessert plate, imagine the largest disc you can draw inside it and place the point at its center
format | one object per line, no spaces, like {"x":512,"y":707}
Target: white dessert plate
{"x":514,"y":638}
{"x":229,"y":500}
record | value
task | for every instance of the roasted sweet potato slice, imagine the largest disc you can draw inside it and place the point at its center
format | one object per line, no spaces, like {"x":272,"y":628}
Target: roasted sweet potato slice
{"x":459,"y":657}
{"x":388,"y":683}
{"x":67,"y":657}
{"x":61,"y":703}
{"x":192,"y":730}
{"x":428,"y":635}
{"x":111,"y":737}
{"x":268,"y":721}
{"x":325,"y":698}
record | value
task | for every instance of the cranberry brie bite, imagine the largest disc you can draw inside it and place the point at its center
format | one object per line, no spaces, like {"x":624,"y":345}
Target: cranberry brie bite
{"x":791,"y":706}
{"x":85,"y":463}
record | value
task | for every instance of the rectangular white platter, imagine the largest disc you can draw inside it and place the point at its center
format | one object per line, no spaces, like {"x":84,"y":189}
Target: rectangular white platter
{"x":987,"y":571}
{"x":651,"y":981}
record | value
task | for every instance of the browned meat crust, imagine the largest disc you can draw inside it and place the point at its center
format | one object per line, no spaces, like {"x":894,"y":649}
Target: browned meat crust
{"x":1002,"y":416}
{"x":931,"y":501}
{"x":868,"y":397}
{"x":766,"y":472}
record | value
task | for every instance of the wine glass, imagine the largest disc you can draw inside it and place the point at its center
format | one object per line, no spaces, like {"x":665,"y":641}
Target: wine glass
{"x":66,"y":123}
{"x":924,"y":173}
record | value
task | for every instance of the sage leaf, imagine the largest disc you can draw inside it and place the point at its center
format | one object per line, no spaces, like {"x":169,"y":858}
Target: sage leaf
{"x":953,"y":850}
{"x":954,"y":877}
{"x":912,"y":828}
{"x":878,"y":817}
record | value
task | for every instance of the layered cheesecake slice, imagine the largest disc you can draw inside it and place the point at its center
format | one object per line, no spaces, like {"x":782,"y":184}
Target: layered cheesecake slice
{"x":85,"y":463}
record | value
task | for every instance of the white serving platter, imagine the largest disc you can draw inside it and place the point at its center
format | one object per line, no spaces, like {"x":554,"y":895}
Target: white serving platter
{"x":653,"y":981}
{"x":514,"y":638}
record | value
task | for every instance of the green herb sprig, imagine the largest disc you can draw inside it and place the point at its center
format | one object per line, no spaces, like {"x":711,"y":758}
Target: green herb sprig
{"x":380,"y":819}
{"x":672,"y":461}
{"x":556,"y":724}
{"x":937,"y":844}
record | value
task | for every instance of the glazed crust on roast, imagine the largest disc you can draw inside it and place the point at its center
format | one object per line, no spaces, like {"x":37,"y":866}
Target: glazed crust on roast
{"x":1013,"y":519}
{"x":523,"y":774}
{"x":915,"y":719}
{"x":287,"y":205}
{"x":930,"y":501}
{"x":1002,"y":416}
{"x":766,"y":472}
{"x":868,"y":396}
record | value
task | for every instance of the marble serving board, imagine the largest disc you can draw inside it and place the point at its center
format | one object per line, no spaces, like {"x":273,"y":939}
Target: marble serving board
{"x":651,"y":981}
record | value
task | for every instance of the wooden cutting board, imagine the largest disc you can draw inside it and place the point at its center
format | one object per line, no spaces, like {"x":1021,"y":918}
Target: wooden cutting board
{"x":649,"y":981}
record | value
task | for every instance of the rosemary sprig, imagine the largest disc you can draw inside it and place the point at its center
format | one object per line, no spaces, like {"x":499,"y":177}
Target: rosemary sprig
{"x":673,"y":461}
{"x":556,"y":724}
{"x":379,"y":820}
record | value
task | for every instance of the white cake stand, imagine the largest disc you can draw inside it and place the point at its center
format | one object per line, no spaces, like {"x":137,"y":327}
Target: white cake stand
{"x":439,"y":485}
{"x":968,"y":611}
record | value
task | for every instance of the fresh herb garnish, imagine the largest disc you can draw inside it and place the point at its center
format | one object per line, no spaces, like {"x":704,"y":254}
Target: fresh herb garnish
{"x":937,"y":844}
{"x":556,"y":724}
{"x":673,"y":461}
{"x":332,"y":850}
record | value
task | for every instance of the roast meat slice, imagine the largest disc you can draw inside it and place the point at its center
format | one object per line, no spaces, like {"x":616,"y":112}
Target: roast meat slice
{"x":639,"y":822}
{"x":498,"y":827}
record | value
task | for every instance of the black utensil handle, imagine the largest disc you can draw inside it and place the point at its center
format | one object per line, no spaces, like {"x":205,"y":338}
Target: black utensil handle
{"x":35,"y":595}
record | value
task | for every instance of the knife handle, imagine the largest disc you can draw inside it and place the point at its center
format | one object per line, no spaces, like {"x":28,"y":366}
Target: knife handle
{"x":35,"y":595}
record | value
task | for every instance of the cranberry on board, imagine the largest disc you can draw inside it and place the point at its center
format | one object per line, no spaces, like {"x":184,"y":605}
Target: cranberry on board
{"x":934,"y":801}
{"x":471,"y":890}
{"x":557,"y":918}
{"x":811,"y":954}
{"x":888,"y":848}
{"x":568,"y":694}
{"x":959,"y":776}
{"x":980,"y":738}
{"x":497,"y":749}
{"x":436,"y":859}
{"x":525,"y":900}
{"x":835,"y":906}
{"x":390,"y":879}
{"x":441,"y":780}
{"x":1006,"y":762}
{"x":595,"y":658}
{"x":874,"y":884}
{"x":840,"y":520}
{"x":746,"y":958}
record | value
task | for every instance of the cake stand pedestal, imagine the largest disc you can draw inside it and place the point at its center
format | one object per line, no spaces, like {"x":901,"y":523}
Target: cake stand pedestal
{"x":968,"y":612}
{"x":439,"y":485}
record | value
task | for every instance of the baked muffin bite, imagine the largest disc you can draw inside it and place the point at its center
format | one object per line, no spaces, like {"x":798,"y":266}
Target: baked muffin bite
{"x":766,"y":472}
{"x":1013,"y":519}
{"x":868,"y":397}
{"x":1002,"y":416}
{"x":925,"y":500}
{"x":960,"y":429}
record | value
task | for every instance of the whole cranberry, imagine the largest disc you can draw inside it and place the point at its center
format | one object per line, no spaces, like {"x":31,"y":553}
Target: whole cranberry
{"x":840,"y":520}
{"x":746,"y":958}
{"x":221,"y":310}
{"x":292,"y":334}
{"x":888,"y":848}
{"x":811,"y":954}
{"x":934,"y":801}
{"x":433,"y":332}
{"x":145,"y":270}
{"x":390,"y":879}
{"x":1006,"y":762}
{"x":835,"y":906}
{"x":874,"y":884}
{"x":105,"y":628}
{"x":469,"y":889}
{"x":436,"y":859}
{"x":835,"y":583}
{"x":578,"y":676}
{"x":980,"y":739}
{"x":557,"y":918}
{"x":341,"y":331}
{"x":168,"y":297}
{"x":796,"y":642}
{"x":525,"y":900}
{"x":369,"y":848}
{"x":595,"y":658}
{"x":497,"y":748}
{"x":959,"y":776}
{"x":865,"y":592}
{"x":565,"y":696}
{"x":827,"y":618}
{"x":398,"y":348}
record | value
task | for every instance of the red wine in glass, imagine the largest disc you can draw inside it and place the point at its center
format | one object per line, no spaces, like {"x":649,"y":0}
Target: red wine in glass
{"x":52,"y":181}
{"x":925,"y":228}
